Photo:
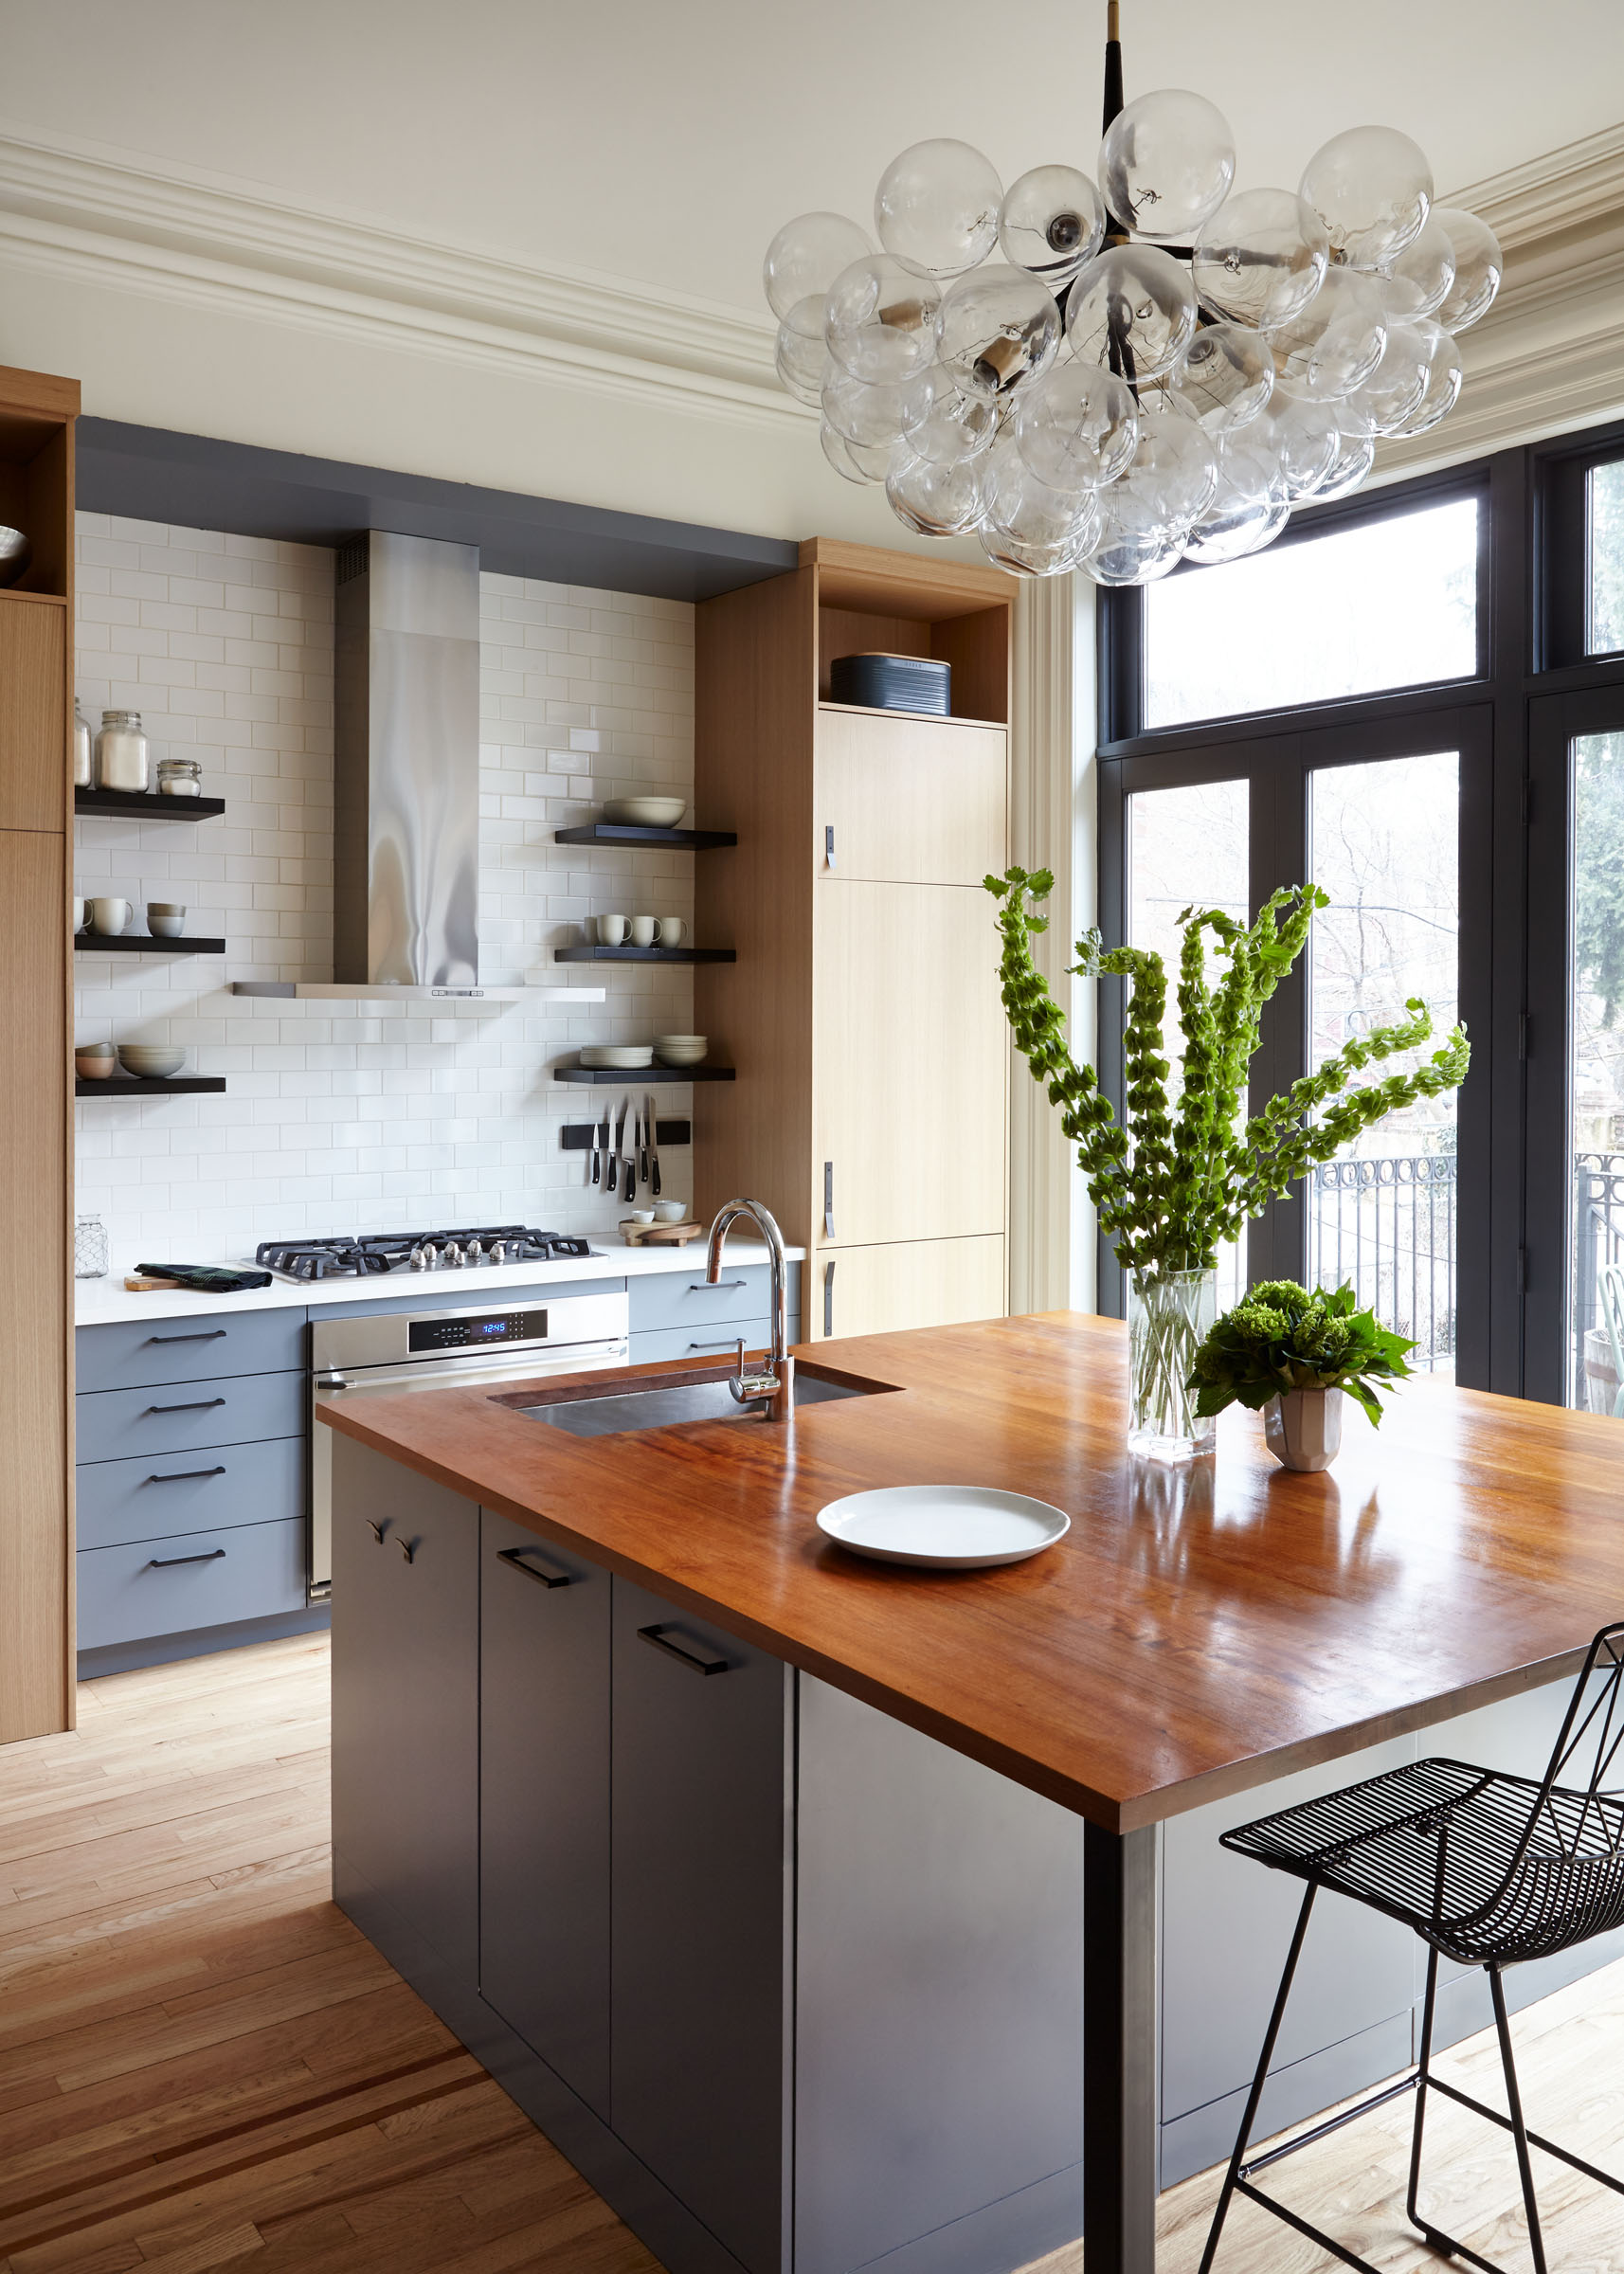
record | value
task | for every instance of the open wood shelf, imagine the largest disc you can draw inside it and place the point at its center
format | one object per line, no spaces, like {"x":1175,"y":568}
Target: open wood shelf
{"x":629,"y":1076}
{"x":146,"y":804}
{"x":645,"y":955}
{"x":147,"y":1085}
{"x":626,"y":833}
{"x":142,"y":943}
{"x":934,"y":718}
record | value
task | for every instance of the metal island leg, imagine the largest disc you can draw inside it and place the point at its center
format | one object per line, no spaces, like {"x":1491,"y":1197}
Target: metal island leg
{"x":1120,"y":2044}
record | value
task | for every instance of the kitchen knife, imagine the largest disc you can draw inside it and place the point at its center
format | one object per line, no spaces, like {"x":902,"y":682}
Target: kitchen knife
{"x":645,"y":1136}
{"x":653,"y":1153}
{"x":628,"y":1151}
{"x":603,"y":1168}
{"x":595,"y":1173}
{"x":614,"y":1130}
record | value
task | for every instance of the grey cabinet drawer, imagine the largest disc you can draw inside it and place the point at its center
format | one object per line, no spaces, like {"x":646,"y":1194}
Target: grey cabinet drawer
{"x":705,"y":1339}
{"x":182,"y":1416}
{"x":682,"y":1298}
{"x":140,"y":1589}
{"x":131,"y":1352}
{"x":163,"y":1496}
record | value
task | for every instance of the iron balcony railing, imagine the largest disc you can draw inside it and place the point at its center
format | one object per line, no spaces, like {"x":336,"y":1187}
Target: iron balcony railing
{"x":1599,"y":1238}
{"x":1388,"y":1225}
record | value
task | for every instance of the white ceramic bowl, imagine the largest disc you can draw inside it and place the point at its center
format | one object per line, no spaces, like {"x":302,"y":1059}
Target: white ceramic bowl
{"x":151,"y":1060}
{"x":646,"y":813}
{"x":670,"y":1212}
{"x":681,"y":1041}
{"x":165,"y":928}
{"x":642,"y":1216}
{"x":623,"y":1057}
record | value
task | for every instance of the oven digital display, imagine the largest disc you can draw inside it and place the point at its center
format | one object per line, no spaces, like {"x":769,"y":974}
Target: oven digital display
{"x":473,"y":1333}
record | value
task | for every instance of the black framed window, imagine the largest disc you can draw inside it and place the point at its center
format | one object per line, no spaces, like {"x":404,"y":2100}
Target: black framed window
{"x":1416,"y":697}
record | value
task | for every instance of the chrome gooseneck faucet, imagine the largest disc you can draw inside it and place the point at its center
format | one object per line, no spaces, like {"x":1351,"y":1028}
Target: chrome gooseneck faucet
{"x":777,"y":1385}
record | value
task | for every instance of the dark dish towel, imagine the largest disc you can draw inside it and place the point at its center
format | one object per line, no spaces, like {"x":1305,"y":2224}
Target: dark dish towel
{"x":206,"y":1278}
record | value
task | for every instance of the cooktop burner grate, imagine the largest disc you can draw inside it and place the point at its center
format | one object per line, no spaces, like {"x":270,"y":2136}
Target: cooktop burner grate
{"x":361,"y":1255}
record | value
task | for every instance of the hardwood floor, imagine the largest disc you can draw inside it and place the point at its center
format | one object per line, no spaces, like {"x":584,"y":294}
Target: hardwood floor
{"x":202,"y":2062}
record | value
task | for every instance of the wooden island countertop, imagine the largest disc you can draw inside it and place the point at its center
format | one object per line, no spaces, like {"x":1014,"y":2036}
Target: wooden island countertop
{"x":1197,"y":1633}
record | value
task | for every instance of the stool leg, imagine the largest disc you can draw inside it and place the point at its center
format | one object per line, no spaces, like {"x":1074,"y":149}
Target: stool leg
{"x":1423,"y":2073}
{"x":1519,"y":2131}
{"x":1252,"y":2098}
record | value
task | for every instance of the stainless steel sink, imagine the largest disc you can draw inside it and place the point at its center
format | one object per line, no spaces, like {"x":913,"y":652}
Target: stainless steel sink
{"x":617,"y":1412}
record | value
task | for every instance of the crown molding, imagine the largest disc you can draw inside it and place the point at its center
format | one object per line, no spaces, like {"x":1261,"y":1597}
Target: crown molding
{"x":99,"y":216}
{"x":1565,"y":187}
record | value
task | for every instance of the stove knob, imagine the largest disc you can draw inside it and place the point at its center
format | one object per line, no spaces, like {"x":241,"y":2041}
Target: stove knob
{"x":456,"y":1255}
{"x":500,"y":1251}
{"x":419,"y":1261}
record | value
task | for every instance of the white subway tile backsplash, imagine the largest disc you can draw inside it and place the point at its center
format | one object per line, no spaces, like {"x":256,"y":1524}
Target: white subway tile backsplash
{"x":365,"y":1116}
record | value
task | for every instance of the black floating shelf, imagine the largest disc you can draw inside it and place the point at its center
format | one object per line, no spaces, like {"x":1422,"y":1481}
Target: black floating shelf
{"x":645,"y":955}
{"x":632,"y":1077}
{"x":146,"y":806}
{"x":130,"y":1085}
{"x":142,"y":943}
{"x":626,"y":833}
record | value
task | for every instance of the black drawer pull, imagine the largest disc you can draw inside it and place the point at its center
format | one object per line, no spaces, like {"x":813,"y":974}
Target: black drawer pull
{"x":656,"y":1635}
{"x":205,"y":1334}
{"x":164,"y":1562}
{"x":183,"y":1476}
{"x":709,"y":1287}
{"x":193,"y":1405}
{"x":721,"y":1342}
{"x":513,"y":1559}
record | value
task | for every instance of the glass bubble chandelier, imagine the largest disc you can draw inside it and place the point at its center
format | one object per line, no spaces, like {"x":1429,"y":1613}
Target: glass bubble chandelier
{"x":1119,"y":378}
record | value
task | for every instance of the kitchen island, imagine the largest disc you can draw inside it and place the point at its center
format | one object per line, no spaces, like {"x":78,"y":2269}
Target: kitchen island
{"x":682,"y":1937}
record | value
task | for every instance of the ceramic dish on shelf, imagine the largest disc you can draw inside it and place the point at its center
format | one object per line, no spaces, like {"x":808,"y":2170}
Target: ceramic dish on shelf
{"x":151,"y":1062}
{"x":624,"y":1057}
{"x":944,"y":1528}
{"x":645,"y":813}
{"x":681,"y":1050}
{"x":95,"y":1061}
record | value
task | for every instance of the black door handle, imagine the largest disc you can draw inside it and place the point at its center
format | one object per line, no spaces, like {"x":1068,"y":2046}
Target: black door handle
{"x":712,"y":1286}
{"x":194,"y":1405}
{"x":656,"y":1635}
{"x":377,"y":1532}
{"x":514,"y":1558}
{"x":408,"y":1549}
{"x":163,"y":1562}
{"x":207,"y":1334}
{"x":185,"y":1476}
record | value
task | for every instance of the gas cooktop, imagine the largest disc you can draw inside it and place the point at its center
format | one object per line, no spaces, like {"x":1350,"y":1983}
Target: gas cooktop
{"x":360,"y":1257}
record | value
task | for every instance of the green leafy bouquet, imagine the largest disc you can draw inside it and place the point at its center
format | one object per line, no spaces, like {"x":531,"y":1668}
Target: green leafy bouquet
{"x":1281,"y":1339}
{"x":1173,"y":1186}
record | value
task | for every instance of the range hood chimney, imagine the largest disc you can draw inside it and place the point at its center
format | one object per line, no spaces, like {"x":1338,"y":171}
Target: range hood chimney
{"x":405,"y":780}
{"x":406,"y":847}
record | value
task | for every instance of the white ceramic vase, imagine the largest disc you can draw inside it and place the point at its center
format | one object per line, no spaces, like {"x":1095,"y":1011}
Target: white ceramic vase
{"x":1304,"y":1427}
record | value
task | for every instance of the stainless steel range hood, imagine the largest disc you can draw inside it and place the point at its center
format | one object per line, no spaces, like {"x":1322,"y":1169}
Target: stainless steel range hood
{"x":405,"y":852}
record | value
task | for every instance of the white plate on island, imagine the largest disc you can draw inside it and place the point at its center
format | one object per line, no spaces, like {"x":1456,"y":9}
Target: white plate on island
{"x":944,"y":1528}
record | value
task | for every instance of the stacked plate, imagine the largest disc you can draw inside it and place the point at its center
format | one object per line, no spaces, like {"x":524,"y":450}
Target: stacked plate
{"x":646,"y":813}
{"x":680,"y":1050}
{"x":621,"y":1056}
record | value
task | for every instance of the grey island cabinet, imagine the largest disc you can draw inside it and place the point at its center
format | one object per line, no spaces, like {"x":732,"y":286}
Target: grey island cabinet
{"x":797,"y":1988}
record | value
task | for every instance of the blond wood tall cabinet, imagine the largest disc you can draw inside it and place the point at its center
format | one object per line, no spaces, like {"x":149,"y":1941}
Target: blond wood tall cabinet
{"x":871,"y":1105}
{"x":37,"y":415}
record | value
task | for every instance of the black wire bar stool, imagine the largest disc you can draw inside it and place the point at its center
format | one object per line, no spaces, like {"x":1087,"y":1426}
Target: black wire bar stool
{"x":1490,"y":1871}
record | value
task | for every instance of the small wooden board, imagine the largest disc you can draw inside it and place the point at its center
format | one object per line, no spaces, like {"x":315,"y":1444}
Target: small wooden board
{"x":659,"y":1236}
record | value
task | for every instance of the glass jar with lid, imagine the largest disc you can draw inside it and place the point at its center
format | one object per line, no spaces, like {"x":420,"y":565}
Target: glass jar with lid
{"x":121,"y":752}
{"x":180,"y":777}
{"x":89,"y":1248}
{"x":81,"y":748}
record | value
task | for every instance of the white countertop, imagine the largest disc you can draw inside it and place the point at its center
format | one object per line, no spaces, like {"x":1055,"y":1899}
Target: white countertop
{"x":101,"y":1302}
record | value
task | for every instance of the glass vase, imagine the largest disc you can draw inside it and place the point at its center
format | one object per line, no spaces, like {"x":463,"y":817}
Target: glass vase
{"x":1168,"y":1316}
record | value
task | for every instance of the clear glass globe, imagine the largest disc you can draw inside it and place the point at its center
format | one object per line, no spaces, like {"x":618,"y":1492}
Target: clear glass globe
{"x":1124,"y":556}
{"x":1445,"y":373}
{"x":1020,"y":505}
{"x":879,"y":319}
{"x":1394,"y":388}
{"x":1372,"y":187}
{"x":1051,"y":222}
{"x":1353,"y":462}
{"x":1224,"y":377}
{"x":806,"y":256}
{"x":1022,"y":559}
{"x":1335,"y":345}
{"x":1166,"y":164}
{"x":1132,"y":311}
{"x":1418,"y":280}
{"x":1307,"y":440}
{"x":1075,"y":427}
{"x":996,"y":329}
{"x":936,"y":208}
{"x":1260,"y":259}
{"x":957,"y":428}
{"x":1172,"y":480}
{"x":937,"y":501}
{"x":1478,"y":268}
{"x":800,"y":357}
{"x":875,"y":416}
{"x":839,"y":455}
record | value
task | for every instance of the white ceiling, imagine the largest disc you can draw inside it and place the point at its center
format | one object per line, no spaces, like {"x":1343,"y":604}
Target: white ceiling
{"x":664,"y":143}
